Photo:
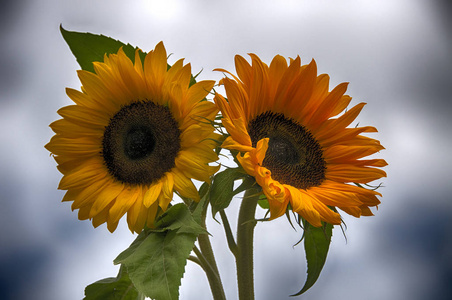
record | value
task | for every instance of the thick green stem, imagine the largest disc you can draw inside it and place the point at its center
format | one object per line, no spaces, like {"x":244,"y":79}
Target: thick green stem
{"x":245,"y":236}
{"x":213,"y":275}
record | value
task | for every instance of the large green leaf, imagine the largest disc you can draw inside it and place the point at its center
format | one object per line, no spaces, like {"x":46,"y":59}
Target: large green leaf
{"x":158,"y":264}
{"x":119,"y":288}
{"x":222,"y":189}
{"x":316,"y":243}
{"x":156,"y":260}
{"x":88,"y":47}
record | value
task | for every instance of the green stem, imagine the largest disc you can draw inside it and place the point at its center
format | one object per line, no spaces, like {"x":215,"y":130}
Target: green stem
{"x":196,"y":260}
{"x":245,"y":236}
{"x":201,"y":260}
{"x":229,"y":236}
{"x":213,"y":275}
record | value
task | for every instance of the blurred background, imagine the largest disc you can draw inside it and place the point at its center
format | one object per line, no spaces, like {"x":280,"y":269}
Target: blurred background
{"x":395,"y":54}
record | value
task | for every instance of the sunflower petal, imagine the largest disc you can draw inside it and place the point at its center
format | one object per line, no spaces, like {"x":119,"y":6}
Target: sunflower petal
{"x":302,"y":203}
{"x":106,"y":196}
{"x":184,"y":186}
{"x":352,"y":173}
{"x":230,"y":143}
{"x":152,"y":193}
{"x":167,"y":191}
{"x":123,"y":202}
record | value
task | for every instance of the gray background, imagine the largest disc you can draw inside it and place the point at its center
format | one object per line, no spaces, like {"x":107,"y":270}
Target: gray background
{"x":396,"y":56}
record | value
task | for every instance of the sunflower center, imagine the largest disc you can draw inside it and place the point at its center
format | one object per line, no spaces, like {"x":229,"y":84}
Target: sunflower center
{"x":293,"y":156}
{"x":140,"y":143}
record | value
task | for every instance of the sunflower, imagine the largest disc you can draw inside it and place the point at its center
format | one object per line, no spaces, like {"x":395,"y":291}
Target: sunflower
{"x":292,"y":137}
{"x":138,"y":132}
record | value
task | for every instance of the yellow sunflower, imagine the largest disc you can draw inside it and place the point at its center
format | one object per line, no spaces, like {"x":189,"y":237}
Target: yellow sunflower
{"x":280,"y":117}
{"x":137,"y":133}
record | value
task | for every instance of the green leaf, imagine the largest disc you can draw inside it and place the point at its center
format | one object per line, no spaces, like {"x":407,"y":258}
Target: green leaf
{"x":316,"y":243}
{"x":247,"y":182}
{"x":119,"y":288}
{"x":156,"y":260}
{"x":158,"y":264}
{"x":88,"y":47}
{"x":178,"y":217}
{"x":132,"y":248}
{"x":263,"y":202}
{"x":204,"y":194}
{"x":222,"y":189}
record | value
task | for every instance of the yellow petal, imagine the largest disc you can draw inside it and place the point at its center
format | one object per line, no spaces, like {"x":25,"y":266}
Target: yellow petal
{"x":194,"y":134}
{"x":351,"y":173}
{"x":261,"y":150}
{"x":151,"y":215}
{"x":82,"y":177}
{"x":84,"y":211}
{"x":334,"y":197}
{"x":327,"y":106}
{"x":341,"y":153}
{"x":244,"y":70}
{"x":101,"y":217}
{"x":129,"y":76}
{"x":325,"y":212}
{"x":152,"y":194}
{"x":302,"y":203}
{"x":276,"y":70}
{"x":202,"y":113}
{"x":71,"y":130}
{"x":354,"y":211}
{"x":60,"y":145}
{"x":223,"y":105}
{"x":334,"y":126}
{"x":300,"y":91}
{"x":88,"y":194}
{"x":231,"y":144}
{"x":99,"y":97}
{"x":167,"y":191}
{"x":155,"y":65}
{"x":123,"y":202}
{"x":199,"y":91}
{"x":193,"y":167}
{"x":84,"y":116}
{"x":184,"y":186}
{"x":111,"y":226}
{"x":248,"y":163}
{"x":107,"y":196}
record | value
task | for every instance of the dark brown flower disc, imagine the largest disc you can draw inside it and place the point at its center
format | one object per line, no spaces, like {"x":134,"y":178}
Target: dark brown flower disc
{"x":293,"y":156}
{"x":140,"y":143}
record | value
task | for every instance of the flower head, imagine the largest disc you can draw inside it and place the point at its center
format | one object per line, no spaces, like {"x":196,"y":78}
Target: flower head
{"x":285,"y":123}
{"x":137,"y":132}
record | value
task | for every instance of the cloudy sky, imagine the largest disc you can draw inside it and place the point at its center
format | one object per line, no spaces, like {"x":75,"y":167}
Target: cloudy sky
{"x":397,"y":56}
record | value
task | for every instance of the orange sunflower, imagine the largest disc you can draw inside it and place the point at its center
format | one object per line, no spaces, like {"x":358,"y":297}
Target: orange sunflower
{"x":285,"y":124}
{"x":137,"y":132}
